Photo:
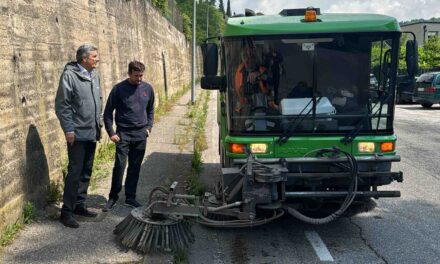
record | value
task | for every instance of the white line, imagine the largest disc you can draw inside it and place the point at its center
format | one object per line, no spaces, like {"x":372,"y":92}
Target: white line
{"x":319,"y":246}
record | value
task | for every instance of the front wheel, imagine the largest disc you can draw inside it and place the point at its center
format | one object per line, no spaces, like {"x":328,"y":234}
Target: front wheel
{"x":426,"y":105}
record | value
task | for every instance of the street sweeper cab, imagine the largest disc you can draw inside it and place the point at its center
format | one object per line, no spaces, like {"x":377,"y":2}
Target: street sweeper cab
{"x":303,"y":130}
{"x":295,"y":93}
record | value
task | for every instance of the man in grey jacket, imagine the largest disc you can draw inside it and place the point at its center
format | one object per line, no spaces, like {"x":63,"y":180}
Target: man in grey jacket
{"x":78,"y":108}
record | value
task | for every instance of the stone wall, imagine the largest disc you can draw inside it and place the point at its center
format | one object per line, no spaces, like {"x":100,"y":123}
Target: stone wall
{"x":37,"y":38}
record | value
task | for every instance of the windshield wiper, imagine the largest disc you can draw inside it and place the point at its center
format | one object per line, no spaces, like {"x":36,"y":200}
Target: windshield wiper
{"x":350,"y":136}
{"x":294,"y":124}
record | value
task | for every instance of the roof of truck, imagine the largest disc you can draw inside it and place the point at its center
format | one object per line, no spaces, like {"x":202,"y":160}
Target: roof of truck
{"x":328,"y":23}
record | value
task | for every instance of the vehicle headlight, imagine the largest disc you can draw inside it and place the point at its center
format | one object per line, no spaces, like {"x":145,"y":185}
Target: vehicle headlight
{"x":258,"y":148}
{"x":367,"y":147}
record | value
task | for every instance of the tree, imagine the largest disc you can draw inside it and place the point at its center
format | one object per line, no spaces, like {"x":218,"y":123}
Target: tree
{"x":432,"y":52}
{"x":216,"y":20}
{"x":162,"y":5}
{"x":222,"y":7}
{"x":228,"y":9}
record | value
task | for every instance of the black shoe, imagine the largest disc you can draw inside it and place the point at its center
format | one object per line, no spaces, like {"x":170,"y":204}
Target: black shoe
{"x":82,"y":211}
{"x":109,"y":205}
{"x":68,"y":221}
{"x":132,"y":203}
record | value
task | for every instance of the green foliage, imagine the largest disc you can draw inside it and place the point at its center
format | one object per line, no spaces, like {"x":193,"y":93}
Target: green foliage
{"x":196,"y":163}
{"x":187,"y":26}
{"x":429,"y":54}
{"x":103,"y":163}
{"x":221,"y":7}
{"x":204,"y":9}
{"x":9,"y":234}
{"x":180,"y":257}
{"x":28,"y":213}
{"x":197,"y":114}
{"x":11,"y":230}
{"x":54,"y":192}
{"x":165,"y":103}
{"x":162,"y":6}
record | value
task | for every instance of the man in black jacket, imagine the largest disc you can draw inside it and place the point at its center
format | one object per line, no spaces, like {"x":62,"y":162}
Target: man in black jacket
{"x":78,"y":108}
{"x":133,"y":103}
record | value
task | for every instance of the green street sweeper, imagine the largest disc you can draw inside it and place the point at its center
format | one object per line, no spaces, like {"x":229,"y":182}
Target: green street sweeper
{"x":303,"y":130}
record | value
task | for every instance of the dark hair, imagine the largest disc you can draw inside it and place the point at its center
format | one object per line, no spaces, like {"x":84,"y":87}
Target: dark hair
{"x":84,"y":51}
{"x":136,"y":66}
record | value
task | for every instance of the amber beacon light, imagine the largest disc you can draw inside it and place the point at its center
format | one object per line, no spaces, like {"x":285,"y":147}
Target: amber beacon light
{"x":310,"y":15}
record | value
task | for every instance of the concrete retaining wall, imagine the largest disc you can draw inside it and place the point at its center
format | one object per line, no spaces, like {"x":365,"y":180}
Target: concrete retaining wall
{"x":37,"y":38}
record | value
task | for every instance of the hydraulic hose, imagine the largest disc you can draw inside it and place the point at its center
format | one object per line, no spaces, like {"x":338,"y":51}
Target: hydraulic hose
{"x":348,"y":199}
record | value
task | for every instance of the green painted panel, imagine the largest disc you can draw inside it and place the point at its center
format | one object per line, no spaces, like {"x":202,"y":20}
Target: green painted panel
{"x":280,"y":25}
{"x":305,"y":146}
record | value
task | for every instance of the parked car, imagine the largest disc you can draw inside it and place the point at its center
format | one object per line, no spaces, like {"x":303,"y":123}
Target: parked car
{"x":405,"y":89}
{"x":427,"y":90}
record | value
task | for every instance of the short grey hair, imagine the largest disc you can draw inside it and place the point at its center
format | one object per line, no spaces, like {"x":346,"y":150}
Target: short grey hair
{"x":84,"y":51}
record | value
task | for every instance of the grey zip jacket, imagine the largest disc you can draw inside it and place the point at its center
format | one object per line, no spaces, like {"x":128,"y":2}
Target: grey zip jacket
{"x":78,"y":103}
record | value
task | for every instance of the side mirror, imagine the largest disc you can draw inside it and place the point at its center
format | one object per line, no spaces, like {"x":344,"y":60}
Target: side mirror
{"x":213,"y":83}
{"x":210,"y":59}
{"x":412,"y":57}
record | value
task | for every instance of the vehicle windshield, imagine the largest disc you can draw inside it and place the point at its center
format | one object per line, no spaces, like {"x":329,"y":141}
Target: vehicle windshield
{"x":426,"y":78}
{"x":326,"y":84}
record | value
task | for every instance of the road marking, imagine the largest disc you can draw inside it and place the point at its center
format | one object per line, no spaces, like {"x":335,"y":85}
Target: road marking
{"x":319,"y":246}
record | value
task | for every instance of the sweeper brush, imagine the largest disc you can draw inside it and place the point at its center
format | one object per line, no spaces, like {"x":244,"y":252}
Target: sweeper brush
{"x":251,"y":195}
{"x":145,"y":233}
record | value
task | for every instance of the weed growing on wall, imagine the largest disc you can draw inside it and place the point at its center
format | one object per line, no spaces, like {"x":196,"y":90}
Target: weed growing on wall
{"x":54,"y":192}
{"x":11,"y":230}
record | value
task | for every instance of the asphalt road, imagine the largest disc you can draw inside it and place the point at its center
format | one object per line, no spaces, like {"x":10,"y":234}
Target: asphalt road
{"x":398,"y":230}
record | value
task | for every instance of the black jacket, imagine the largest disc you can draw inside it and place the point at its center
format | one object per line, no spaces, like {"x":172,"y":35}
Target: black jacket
{"x":133,"y":106}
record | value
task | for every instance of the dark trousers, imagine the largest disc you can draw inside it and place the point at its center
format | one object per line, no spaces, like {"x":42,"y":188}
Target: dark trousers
{"x":79,"y":171}
{"x":134,"y":150}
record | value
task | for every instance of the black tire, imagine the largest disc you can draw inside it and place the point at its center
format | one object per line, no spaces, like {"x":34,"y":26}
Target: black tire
{"x":426,"y":105}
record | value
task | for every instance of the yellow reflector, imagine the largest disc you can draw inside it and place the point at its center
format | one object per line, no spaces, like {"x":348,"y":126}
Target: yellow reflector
{"x":236,"y":148}
{"x":310,"y":15}
{"x":258,"y":148}
{"x":387,"y":146}
{"x":366,"y":147}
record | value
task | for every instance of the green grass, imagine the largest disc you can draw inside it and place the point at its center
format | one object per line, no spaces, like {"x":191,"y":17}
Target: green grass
{"x":196,"y":129}
{"x":103,"y":163}
{"x":166,"y":103}
{"x":54,"y":192}
{"x":180,"y":257}
{"x":11,"y":230}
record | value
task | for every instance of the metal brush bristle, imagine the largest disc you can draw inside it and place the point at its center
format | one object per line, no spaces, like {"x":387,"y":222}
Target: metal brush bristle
{"x":143,"y":233}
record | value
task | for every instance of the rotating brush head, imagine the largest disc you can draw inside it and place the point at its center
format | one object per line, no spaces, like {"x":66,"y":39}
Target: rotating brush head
{"x":145,"y":233}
